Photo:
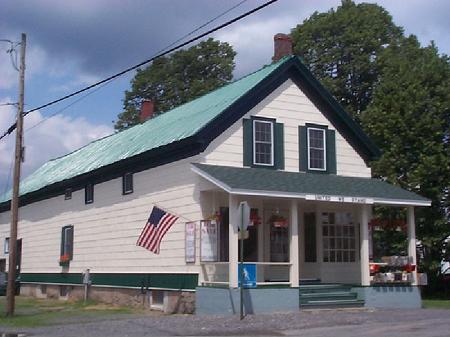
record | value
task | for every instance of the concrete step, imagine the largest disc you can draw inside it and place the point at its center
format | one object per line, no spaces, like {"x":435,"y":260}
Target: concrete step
{"x":323,"y":304}
{"x":331,"y":296}
{"x":321,"y":288}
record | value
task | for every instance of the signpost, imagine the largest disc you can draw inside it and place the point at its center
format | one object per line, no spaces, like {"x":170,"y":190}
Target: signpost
{"x":244,"y":219}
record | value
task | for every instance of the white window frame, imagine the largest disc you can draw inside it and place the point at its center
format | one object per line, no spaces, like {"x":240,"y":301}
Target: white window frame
{"x":272,"y":143}
{"x":326,"y":251}
{"x":324,"y":150}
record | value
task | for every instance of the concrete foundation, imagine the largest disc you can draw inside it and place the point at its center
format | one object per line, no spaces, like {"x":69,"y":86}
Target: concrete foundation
{"x":173,"y":301}
{"x":390,"y":296}
{"x":219,"y":301}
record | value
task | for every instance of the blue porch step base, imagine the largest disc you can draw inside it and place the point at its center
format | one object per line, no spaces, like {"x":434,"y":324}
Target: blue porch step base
{"x":328,"y":296}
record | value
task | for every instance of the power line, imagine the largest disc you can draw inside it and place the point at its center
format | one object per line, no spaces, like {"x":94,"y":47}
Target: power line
{"x":240,"y":17}
{"x":160,"y":51}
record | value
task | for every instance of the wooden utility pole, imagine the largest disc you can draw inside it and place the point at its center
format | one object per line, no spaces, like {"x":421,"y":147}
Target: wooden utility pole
{"x":10,"y":291}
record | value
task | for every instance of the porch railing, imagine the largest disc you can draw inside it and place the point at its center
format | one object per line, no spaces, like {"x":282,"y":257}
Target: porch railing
{"x":267,"y":273}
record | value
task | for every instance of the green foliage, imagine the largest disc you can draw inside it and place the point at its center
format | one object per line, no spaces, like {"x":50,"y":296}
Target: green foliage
{"x":341,"y":48}
{"x":400,"y":93}
{"x":178,"y":78}
{"x":409,"y":120}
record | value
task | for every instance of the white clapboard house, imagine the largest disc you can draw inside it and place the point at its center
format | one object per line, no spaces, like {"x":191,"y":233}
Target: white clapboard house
{"x":275,"y":139}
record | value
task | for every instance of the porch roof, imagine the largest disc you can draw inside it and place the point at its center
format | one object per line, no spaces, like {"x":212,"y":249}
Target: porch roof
{"x":309,"y":186}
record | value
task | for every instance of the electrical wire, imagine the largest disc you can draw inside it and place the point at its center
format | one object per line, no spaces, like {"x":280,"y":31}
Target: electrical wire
{"x":160,"y":51}
{"x":198,"y":37}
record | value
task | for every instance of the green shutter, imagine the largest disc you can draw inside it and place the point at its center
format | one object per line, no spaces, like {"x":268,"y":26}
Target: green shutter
{"x":331,"y":151}
{"x":279,"y":146}
{"x":303,"y":148}
{"x":248,"y":142}
{"x":63,"y":234}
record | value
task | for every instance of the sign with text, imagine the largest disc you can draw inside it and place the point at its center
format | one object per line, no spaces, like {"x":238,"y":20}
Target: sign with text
{"x":190,"y":242}
{"x":334,"y":198}
{"x":209,"y":230}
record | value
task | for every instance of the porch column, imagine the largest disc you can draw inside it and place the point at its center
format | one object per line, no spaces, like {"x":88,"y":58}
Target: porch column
{"x":294,"y":275}
{"x":233,"y":241}
{"x":412,"y":240}
{"x":364,"y":244}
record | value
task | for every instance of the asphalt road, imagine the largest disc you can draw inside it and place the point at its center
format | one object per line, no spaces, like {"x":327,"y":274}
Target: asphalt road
{"x":314,"y":323}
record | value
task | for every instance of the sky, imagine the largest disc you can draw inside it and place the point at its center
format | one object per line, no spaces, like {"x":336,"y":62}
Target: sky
{"x":72,"y":44}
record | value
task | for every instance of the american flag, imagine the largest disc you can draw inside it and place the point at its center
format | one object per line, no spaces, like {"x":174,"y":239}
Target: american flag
{"x":154,"y":230}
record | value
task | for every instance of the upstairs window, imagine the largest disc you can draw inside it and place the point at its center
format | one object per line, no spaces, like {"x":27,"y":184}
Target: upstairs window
{"x":89,"y":194}
{"x":68,"y":194}
{"x":316,"y":149}
{"x":127,"y":183}
{"x":262,"y":142}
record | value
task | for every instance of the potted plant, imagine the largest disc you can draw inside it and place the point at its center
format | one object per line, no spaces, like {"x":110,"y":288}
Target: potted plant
{"x":64,"y":260}
{"x":278,"y":220}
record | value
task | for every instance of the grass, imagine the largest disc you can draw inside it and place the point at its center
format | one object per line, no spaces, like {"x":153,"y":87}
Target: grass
{"x":31,"y":312}
{"x":436,"y":304}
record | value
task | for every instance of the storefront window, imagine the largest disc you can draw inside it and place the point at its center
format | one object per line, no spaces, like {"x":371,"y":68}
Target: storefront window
{"x":279,"y":242}
{"x":338,"y":234}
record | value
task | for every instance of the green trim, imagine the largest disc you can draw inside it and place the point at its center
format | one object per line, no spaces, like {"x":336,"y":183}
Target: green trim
{"x":166,"y":281}
{"x":303,"y":149}
{"x":331,"y":151}
{"x":248,"y":142}
{"x":279,"y":146}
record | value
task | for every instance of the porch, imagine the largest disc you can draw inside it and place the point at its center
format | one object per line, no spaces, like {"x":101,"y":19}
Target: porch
{"x":303,"y":227}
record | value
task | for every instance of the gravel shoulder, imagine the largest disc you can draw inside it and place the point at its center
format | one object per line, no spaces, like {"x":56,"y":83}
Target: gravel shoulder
{"x":311,"y":323}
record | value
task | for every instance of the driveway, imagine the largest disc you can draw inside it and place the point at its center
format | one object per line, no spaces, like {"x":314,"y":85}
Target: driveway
{"x":311,"y":323}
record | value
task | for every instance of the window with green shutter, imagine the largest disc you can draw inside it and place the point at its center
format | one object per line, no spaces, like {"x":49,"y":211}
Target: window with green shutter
{"x":263,"y":143}
{"x":317,"y":149}
{"x":67,"y":243}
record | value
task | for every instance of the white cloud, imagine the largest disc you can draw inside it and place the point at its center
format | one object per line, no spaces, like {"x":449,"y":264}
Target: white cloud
{"x":55,"y":137}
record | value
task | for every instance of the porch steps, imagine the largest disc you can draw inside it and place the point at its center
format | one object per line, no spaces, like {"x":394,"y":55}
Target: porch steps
{"x":328,"y":296}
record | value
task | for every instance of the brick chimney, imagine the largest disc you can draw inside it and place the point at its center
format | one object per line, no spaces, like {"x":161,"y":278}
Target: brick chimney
{"x":147,"y":110}
{"x":282,"y":46}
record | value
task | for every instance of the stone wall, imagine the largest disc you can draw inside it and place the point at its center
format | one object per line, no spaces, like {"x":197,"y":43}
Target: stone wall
{"x":182,"y":302}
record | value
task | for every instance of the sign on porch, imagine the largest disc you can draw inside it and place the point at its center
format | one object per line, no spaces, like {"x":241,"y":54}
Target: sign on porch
{"x":334,"y":198}
{"x":209,"y":241}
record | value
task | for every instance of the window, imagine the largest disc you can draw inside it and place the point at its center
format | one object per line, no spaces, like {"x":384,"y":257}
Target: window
{"x":127,"y":183}
{"x":68,"y":194}
{"x":310,"y":237}
{"x":89,"y":194}
{"x":6,"y":246}
{"x":67,"y":243}
{"x":338,"y":234}
{"x":316,"y":149}
{"x":262,"y":142}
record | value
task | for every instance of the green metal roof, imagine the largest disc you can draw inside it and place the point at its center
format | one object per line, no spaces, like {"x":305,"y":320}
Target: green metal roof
{"x":172,"y":126}
{"x":290,"y":184}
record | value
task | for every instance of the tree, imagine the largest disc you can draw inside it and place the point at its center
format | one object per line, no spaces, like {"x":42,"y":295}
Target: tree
{"x":341,"y":48}
{"x":178,"y":78}
{"x":409,"y":119}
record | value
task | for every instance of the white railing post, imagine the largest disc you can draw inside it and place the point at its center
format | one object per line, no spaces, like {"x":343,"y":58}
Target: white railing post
{"x":233,"y":242}
{"x":364,"y":245}
{"x":294,"y":275}
{"x":412,"y":240}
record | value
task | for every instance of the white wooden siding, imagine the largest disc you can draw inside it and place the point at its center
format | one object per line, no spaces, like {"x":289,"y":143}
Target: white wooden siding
{"x":290,"y":106}
{"x":106,"y":231}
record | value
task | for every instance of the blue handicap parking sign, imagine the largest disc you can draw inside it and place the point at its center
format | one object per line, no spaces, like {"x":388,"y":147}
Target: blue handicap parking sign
{"x":249,"y":275}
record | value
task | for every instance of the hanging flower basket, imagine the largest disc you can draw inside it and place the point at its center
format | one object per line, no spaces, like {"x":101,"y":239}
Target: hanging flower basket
{"x":277,"y":220}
